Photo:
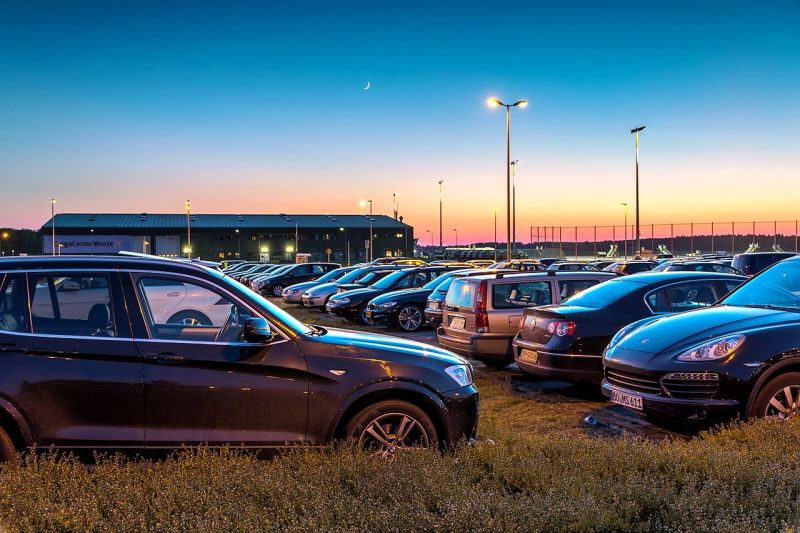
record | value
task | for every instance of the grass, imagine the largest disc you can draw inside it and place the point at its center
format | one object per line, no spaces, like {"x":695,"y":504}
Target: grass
{"x":538,"y":468}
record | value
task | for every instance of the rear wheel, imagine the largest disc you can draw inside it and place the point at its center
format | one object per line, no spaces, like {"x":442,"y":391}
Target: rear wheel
{"x":392,"y":426}
{"x":410,"y":318}
{"x":779,"y":398}
{"x":277,"y":290}
{"x":189,"y":318}
{"x":8,"y":452}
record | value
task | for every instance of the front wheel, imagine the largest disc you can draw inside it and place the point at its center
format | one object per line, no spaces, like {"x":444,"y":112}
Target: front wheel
{"x":779,"y":398}
{"x":8,"y":452}
{"x":410,"y":318}
{"x":392,"y":426}
{"x":277,"y":290}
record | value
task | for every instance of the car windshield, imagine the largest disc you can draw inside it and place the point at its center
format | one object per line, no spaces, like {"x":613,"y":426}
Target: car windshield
{"x":603,"y":294}
{"x":352,"y":275}
{"x":368,"y":277}
{"x":388,"y":281}
{"x":332,"y":275}
{"x":778,"y":286}
{"x":445,"y":285}
{"x":435,"y":282}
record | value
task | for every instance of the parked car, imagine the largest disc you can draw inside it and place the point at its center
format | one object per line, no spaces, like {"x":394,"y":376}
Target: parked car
{"x":258,"y":282}
{"x":239,"y":266}
{"x":736,"y":358}
{"x":626,"y":268}
{"x":696,"y":266}
{"x":405,"y":309}
{"x":245,"y":277}
{"x":361,"y":277}
{"x":407,"y":261}
{"x":246,"y":268}
{"x":751,"y":264}
{"x":276,"y":282}
{"x":573,"y":266}
{"x":600,"y":264}
{"x":293,"y":294}
{"x":118,"y":378}
{"x":482,"y":313}
{"x":566,"y":341}
{"x":481,"y":263}
{"x":352,"y":304}
{"x":522,"y":265}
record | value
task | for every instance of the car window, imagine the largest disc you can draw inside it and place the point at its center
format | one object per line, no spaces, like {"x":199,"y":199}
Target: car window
{"x":72,"y":305}
{"x":317,"y":269}
{"x":462,"y":293}
{"x":189,"y":311}
{"x":521,"y":294}
{"x":683,"y":297}
{"x":14,"y":304}
{"x":731,"y":284}
{"x":605,"y":293}
{"x":571,"y":287}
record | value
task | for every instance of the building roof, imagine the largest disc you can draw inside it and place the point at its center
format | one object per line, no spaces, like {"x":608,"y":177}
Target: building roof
{"x":131,"y":221}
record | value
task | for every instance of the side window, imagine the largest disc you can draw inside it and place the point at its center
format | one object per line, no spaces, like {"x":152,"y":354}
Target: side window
{"x":317,"y":269}
{"x":523,"y":294}
{"x":683,"y":297}
{"x":14,"y":304}
{"x":403,"y":282}
{"x":418,"y":280}
{"x":730,"y":285}
{"x":177,"y":309}
{"x":572,"y":287}
{"x":72,"y":305}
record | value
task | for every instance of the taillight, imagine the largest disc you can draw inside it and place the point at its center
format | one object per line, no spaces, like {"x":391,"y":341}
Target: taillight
{"x":561,"y":328}
{"x":481,"y":316}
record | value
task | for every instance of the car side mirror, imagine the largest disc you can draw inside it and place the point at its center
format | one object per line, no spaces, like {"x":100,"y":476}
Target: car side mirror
{"x":71,"y":286}
{"x":257,"y":330}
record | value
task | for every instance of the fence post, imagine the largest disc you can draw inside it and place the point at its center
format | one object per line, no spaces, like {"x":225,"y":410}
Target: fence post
{"x":560,"y":241}
{"x":595,"y":242}
{"x":733,"y":237}
{"x":712,"y":238}
{"x":774,"y":234}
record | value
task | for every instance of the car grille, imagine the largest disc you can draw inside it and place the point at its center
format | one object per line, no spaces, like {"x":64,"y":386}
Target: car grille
{"x":634,"y":382}
{"x":691,"y":385}
{"x":434,"y":304}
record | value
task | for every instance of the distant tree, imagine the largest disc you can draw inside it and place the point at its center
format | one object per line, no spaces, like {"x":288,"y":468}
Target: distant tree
{"x":20,"y":241}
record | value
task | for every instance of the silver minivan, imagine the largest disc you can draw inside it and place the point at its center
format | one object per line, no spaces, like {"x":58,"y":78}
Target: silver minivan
{"x":482,"y":313}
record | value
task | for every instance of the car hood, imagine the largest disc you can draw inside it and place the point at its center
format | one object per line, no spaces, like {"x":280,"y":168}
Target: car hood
{"x":675,"y":332}
{"x":304,"y":285}
{"x":324,"y":287}
{"x":360,"y":344}
{"x":360,"y":293}
{"x":402,"y":294}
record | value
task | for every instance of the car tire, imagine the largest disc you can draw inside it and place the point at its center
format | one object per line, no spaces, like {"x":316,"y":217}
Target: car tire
{"x":410,"y":318}
{"x":277,"y":290}
{"x":190,"y":318}
{"x":378,"y":427}
{"x":776,"y":389}
{"x":8,"y":452}
{"x":362,"y":316}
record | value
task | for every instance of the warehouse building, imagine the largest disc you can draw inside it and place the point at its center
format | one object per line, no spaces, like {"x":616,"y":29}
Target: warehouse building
{"x":340,"y":238}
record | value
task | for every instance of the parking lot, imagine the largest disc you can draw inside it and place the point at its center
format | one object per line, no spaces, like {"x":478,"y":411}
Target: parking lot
{"x":539,"y":405}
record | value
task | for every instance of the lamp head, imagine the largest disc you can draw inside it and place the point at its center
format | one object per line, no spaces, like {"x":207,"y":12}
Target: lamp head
{"x":637,"y":130}
{"x":494,"y":102}
{"x":520,"y":103}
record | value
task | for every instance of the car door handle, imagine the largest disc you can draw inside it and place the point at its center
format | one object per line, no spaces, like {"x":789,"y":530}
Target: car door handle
{"x":165,"y":358}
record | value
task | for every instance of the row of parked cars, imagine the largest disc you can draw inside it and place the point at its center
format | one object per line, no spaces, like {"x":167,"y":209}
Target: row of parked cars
{"x":666,"y":342}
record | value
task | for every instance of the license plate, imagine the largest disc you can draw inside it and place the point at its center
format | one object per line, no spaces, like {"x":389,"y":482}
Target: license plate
{"x":628,"y":400}
{"x":529,"y":355}
{"x":458,"y":322}
{"x":434,"y":305}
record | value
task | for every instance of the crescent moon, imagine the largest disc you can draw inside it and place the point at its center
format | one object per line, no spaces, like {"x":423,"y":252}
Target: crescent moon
{"x":368,"y":86}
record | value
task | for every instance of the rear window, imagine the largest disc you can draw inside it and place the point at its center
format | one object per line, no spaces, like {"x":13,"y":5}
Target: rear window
{"x":603,"y":294}
{"x":462,"y":293}
{"x":521,"y":294}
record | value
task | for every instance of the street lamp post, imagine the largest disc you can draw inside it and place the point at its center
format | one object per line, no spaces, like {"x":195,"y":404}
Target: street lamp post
{"x":429,"y":231}
{"x":494,"y":102}
{"x":456,"y":231}
{"x":495,"y":235}
{"x":53,"y":222}
{"x":3,"y":237}
{"x":395,"y":203}
{"x":625,"y":207}
{"x":371,"y":255}
{"x":440,"y":212}
{"x":144,"y":246}
{"x":635,"y":132}
{"x":239,"y":244}
{"x":514,"y":205}
{"x":189,"y":228}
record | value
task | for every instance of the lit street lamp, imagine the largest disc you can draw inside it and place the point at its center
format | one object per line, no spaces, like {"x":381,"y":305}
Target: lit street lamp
{"x":3,"y":237}
{"x":494,"y":102}
{"x":625,"y":206}
{"x":145,"y":244}
{"x":635,"y":132}
{"x":189,"y":228}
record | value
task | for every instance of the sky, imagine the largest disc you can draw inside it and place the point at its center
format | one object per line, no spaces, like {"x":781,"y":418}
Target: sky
{"x":136,"y":106}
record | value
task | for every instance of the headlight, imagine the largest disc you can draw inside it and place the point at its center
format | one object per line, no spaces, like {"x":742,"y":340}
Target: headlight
{"x":387,"y":305}
{"x":338,"y":301}
{"x":714,"y":349}
{"x":460,"y":373}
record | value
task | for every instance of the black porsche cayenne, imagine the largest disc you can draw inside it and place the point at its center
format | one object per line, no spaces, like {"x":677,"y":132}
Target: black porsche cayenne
{"x":109,"y":353}
{"x":738,"y":357}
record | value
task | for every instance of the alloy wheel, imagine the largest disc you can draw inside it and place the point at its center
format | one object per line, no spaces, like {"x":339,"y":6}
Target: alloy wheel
{"x":410,"y":318}
{"x":393,"y":432}
{"x":189,"y":321}
{"x":785,"y":402}
{"x":277,"y":290}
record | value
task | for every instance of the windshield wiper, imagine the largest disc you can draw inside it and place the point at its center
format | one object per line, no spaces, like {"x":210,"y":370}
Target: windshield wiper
{"x":773,"y":307}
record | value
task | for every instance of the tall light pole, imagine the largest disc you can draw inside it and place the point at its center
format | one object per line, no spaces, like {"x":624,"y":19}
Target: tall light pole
{"x":395,"y":203}
{"x":3,"y":237}
{"x":189,"y":228}
{"x":370,"y":230}
{"x":53,"y":221}
{"x":456,"y":231}
{"x":429,"y":231}
{"x":635,"y":132}
{"x":514,"y":205}
{"x":625,"y":207}
{"x":495,"y":235}
{"x":440,"y":212}
{"x":494,"y":102}
{"x":239,"y":243}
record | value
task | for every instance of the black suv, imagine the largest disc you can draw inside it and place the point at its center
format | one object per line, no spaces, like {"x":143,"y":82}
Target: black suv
{"x":352,"y":304}
{"x":752,"y":263}
{"x":94,"y":355}
{"x":273,"y":285}
{"x":738,"y":357}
